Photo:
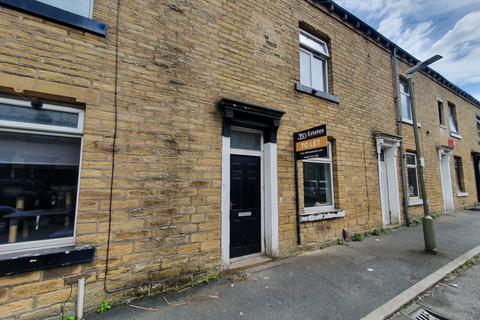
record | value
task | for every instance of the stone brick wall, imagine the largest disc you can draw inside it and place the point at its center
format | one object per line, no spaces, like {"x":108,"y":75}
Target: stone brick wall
{"x":177,"y":58}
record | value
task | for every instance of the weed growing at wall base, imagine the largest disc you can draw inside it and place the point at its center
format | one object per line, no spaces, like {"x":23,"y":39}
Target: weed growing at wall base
{"x":104,"y":307}
{"x":358,"y":237}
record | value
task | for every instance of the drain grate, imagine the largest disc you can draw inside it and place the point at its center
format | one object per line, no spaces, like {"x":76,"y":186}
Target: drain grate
{"x":423,"y":314}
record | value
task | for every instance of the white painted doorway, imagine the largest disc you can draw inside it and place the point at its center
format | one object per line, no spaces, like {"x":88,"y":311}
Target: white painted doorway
{"x":389,"y":193}
{"x":242,"y":143}
{"x":446,"y":179}
{"x":386,"y":212}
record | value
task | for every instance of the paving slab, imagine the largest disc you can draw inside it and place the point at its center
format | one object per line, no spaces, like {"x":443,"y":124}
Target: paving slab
{"x":339,"y":282}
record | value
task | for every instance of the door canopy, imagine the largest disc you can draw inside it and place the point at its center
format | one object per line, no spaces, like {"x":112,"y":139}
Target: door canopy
{"x":236,"y":113}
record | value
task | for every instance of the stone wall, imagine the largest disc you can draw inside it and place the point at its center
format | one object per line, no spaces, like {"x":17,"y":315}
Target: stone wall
{"x":177,"y":59}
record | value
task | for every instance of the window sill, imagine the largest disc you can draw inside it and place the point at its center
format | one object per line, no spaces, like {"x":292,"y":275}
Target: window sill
{"x":57,"y":15}
{"x":410,"y":122}
{"x":332,"y":214}
{"x":462,"y":194}
{"x":455,"y":135}
{"x":415,"y":202}
{"x":317,"y":93}
{"x":11,"y":264}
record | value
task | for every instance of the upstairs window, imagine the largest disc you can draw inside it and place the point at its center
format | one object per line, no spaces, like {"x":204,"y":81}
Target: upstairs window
{"x":478,"y":126}
{"x":452,"y":113}
{"x":441,"y":112}
{"x":40,"y":151}
{"x":405,"y":99}
{"x":73,"y":13}
{"x":80,"y":7}
{"x":314,"y":58}
{"x":459,"y":173}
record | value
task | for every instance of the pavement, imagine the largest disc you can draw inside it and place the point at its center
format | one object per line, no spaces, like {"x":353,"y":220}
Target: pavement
{"x":455,"y":298}
{"x":338,"y":282}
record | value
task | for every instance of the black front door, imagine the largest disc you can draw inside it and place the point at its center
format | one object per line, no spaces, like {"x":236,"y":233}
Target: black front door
{"x":476,"y":163}
{"x":245,"y":202}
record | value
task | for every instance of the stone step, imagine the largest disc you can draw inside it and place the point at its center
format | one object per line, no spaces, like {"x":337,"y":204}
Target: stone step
{"x":247,"y":262}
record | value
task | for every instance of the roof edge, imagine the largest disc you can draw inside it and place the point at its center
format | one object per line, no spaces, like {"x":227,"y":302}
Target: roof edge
{"x":357,"y":23}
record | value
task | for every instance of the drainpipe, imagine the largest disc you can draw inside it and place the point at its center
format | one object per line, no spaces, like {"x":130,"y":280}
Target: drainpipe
{"x":297,"y":200}
{"x":398,"y":106}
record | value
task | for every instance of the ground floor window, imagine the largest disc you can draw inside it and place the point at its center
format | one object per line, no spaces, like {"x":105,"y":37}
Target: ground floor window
{"x":39,"y":174}
{"x":459,"y":173}
{"x":412,"y":173}
{"x":318,"y":184}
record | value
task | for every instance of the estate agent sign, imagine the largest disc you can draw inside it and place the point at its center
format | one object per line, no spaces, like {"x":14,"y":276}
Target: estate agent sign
{"x":311,"y":143}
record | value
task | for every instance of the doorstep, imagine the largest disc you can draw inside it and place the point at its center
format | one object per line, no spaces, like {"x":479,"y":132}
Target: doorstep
{"x":246,"y":262}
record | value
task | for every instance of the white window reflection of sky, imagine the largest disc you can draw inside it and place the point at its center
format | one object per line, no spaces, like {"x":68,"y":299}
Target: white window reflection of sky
{"x":80,"y":7}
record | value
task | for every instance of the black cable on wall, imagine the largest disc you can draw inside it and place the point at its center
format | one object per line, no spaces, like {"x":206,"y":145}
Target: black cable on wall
{"x":114,"y":144}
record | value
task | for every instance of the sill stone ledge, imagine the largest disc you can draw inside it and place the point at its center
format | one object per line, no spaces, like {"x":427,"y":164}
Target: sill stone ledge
{"x":310,"y":217}
{"x":317,"y":93}
{"x":16,"y":263}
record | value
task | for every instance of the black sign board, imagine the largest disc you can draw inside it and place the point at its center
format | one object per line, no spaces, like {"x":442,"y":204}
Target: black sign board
{"x":311,"y":143}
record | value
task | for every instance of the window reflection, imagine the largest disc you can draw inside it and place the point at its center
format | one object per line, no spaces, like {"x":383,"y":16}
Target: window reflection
{"x":317,"y":184}
{"x":38,"y":186}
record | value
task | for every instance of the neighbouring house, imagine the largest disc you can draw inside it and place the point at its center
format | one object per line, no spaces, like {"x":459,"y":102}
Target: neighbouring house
{"x":145,"y":144}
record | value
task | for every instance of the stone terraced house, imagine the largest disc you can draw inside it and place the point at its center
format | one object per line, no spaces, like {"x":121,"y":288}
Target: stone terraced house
{"x":147,"y":144}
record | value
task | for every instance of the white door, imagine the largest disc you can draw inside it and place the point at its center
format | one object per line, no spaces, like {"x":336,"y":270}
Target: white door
{"x":446,"y":181}
{"x":386,"y":214}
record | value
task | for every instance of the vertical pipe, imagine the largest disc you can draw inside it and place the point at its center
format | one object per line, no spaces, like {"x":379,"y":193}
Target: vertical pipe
{"x":398,"y":106}
{"x":297,"y":201}
{"x":80,"y":297}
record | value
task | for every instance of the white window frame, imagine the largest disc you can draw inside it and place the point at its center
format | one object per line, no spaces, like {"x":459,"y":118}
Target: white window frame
{"x":58,"y":131}
{"x":451,"y":106}
{"x":404,"y":119}
{"x":315,"y":52}
{"x":43,"y":127}
{"x":415,"y":166}
{"x":321,"y":209}
{"x":478,"y":127}
{"x":440,"y":100}
{"x":90,"y":15}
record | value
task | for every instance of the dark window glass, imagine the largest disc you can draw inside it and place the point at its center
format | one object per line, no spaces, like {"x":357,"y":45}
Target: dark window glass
{"x":459,"y":174}
{"x":317,"y":184}
{"x":441,"y":116}
{"x":478,"y":126}
{"x":382,"y":155}
{"x":30,"y":115}
{"x":412,"y":182}
{"x":38,"y":186}
{"x":412,"y":175}
{"x":404,"y":87}
{"x":411,"y":159}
